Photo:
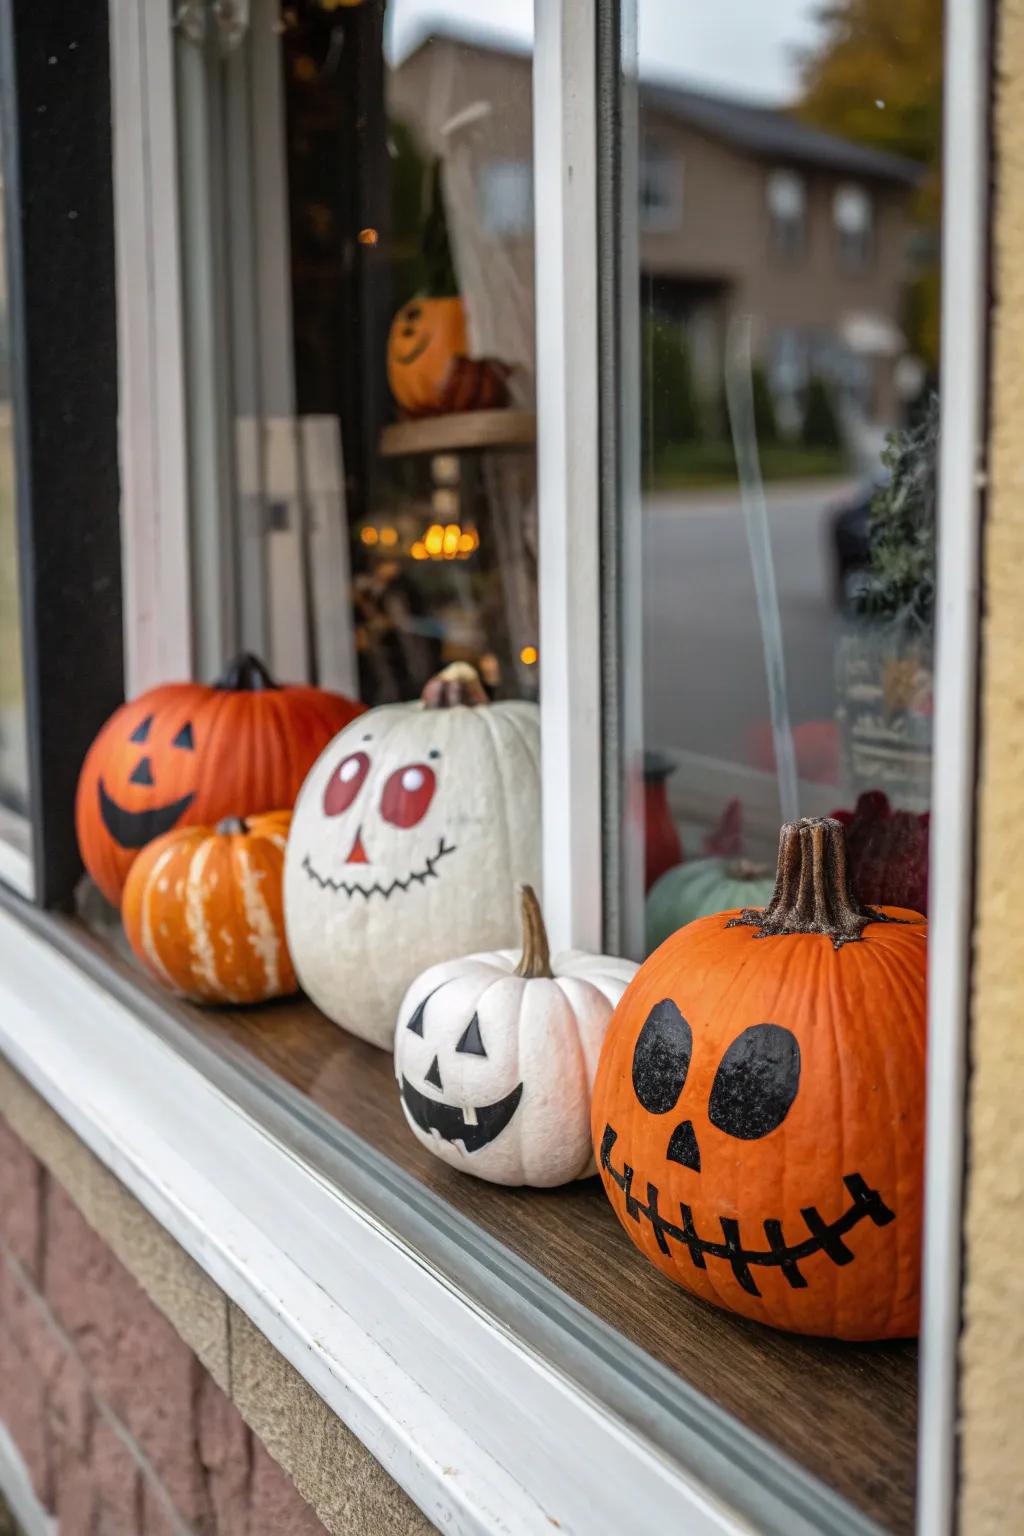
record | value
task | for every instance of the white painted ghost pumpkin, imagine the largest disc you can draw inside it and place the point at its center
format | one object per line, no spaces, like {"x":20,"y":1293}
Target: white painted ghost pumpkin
{"x":495,"y":1057}
{"x":408,"y":836}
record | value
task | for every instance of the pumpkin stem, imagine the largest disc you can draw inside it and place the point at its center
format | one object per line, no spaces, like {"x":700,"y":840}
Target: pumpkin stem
{"x":231,"y":826}
{"x":812,"y":891}
{"x":245,"y":673}
{"x":536,"y":956}
{"x":458,"y":683}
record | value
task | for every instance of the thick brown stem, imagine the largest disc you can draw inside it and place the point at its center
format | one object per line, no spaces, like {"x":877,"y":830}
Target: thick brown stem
{"x":458,"y":683}
{"x":812,"y":887}
{"x":536,"y":956}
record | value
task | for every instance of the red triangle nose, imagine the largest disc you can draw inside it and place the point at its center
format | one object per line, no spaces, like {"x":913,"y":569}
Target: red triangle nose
{"x":358,"y":853}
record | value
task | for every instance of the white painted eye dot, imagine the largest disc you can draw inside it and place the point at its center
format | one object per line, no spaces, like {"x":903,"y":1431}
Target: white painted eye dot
{"x":412,"y":779}
{"x":349,"y":768}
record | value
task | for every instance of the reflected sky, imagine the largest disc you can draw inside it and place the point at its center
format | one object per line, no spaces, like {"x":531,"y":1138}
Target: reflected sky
{"x":745,"y":46}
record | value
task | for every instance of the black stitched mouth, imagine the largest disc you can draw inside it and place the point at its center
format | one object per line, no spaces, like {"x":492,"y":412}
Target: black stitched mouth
{"x":825,"y":1237}
{"x":450,"y":1122}
{"x":134,"y":829}
{"x":352,"y":887}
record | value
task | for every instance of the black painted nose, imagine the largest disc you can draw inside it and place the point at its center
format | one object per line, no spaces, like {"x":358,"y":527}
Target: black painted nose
{"x":143,"y":773}
{"x":683,"y":1147}
{"x":434,"y":1075}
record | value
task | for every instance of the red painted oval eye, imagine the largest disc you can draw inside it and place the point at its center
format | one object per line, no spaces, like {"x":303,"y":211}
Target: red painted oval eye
{"x":407,"y":794}
{"x":345,"y":783}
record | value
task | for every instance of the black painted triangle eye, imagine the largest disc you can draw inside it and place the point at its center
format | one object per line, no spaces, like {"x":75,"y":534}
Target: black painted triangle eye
{"x":756,"y":1082}
{"x":141,"y":731}
{"x":661,"y":1058}
{"x":416,"y":1022}
{"x":143,"y":772}
{"x":471,"y":1043}
{"x":184,"y":738}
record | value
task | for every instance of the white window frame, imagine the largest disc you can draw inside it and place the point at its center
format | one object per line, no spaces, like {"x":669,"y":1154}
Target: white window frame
{"x":252,"y":1193}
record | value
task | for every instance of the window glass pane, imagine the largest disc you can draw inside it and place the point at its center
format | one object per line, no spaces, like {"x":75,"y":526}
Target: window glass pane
{"x":776,"y":555}
{"x":787,"y":422}
{"x":360,"y":339}
{"x":13,"y":744}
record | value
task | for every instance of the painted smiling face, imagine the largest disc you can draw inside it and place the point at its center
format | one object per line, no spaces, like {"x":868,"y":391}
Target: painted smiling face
{"x":758,"y":1112}
{"x":495,"y":1057}
{"x":187,"y":754}
{"x":408,"y":837}
{"x":426,"y":337}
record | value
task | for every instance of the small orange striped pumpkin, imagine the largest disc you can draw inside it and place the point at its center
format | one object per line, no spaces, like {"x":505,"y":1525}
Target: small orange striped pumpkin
{"x":203,"y":910}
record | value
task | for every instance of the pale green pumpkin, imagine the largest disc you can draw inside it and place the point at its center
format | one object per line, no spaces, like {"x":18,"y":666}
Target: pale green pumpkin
{"x":699,"y":889}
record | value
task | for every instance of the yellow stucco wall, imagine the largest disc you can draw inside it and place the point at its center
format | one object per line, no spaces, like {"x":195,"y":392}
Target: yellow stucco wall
{"x":992,"y":1381}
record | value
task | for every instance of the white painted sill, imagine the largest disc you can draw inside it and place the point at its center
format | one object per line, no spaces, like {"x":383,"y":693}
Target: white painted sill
{"x":497,"y":1404}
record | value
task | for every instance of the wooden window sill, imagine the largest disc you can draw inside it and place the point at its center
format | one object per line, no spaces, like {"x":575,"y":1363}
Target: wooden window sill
{"x":730,"y":1400}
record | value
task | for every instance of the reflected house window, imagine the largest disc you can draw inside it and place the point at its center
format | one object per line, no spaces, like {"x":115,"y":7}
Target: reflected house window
{"x":506,"y":197}
{"x":661,"y":186}
{"x":854,"y":224}
{"x":787,"y":214}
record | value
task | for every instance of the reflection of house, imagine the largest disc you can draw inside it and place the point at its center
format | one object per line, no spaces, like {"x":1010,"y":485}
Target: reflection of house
{"x":743,"y":211}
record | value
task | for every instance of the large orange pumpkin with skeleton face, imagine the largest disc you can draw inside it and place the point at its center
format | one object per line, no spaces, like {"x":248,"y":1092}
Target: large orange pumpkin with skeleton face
{"x":188,"y":754}
{"x":758,"y":1111}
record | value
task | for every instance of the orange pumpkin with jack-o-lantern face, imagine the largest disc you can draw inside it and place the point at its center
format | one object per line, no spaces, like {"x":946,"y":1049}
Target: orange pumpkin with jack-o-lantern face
{"x":188,"y":754}
{"x":427,"y":335}
{"x":758,"y":1111}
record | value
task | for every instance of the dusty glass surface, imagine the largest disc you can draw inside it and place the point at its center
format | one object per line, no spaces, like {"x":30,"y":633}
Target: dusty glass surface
{"x":13,"y":744}
{"x":783,"y":199}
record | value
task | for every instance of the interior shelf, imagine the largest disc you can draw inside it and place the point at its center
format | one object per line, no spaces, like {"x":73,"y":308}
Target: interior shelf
{"x":477,"y":430}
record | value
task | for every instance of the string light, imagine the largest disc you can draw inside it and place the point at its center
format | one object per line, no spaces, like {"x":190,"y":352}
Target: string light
{"x":369,"y":535}
{"x":529,"y":655}
{"x":389,"y":536}
{"x":368,"y":237}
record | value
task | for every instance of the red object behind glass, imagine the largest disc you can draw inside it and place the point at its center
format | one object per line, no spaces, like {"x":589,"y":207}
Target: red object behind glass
{"x":663,"y":847}
{"x":888,"y":852}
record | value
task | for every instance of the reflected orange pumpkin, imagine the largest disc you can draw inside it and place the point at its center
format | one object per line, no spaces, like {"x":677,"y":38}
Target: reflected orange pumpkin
{"x":427,"y":335}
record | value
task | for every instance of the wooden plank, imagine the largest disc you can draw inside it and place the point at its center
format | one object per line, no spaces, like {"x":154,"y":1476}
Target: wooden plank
{"x":461,"y":430}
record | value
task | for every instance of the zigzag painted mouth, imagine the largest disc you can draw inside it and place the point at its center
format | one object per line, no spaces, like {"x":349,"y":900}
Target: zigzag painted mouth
{"x":352,"y":887}
{"x":134,"y":829}
{"x":826,"y":1237}
{"x":450,"y":1123}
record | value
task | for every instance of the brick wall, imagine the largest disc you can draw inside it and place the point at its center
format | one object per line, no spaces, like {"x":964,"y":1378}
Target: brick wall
{"x":123,"y":1430}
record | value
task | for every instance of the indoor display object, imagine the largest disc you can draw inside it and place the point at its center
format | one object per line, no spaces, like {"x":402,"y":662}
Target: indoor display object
{"x":758,"y":1114}
{"x":700,"y":888}
{"x":189,"y":754}
{"x":888,"y":851}
{"x":663,"y":847}
{"x":203,"y":910}
{"x":429,"y":368}
{"x":410,"y":835}
{"x":495,"y":1057}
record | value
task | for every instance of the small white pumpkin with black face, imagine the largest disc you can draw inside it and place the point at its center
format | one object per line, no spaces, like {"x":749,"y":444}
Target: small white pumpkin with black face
{"x":404,"y":839}
{"x":495,"y":1057}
